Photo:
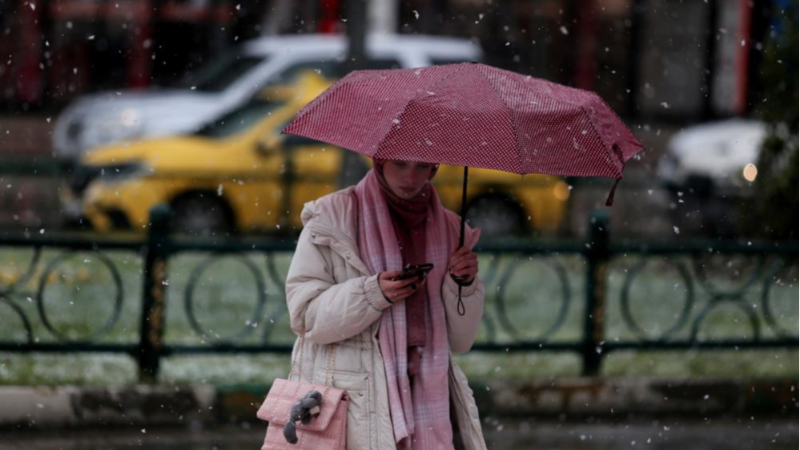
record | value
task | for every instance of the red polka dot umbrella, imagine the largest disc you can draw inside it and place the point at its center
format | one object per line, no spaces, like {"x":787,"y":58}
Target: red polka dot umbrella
{"x":471,"y":114}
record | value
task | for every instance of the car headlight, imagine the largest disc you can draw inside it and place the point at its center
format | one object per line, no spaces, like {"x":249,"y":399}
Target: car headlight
{"x":126,"y":124}
{"x":750,"y":172}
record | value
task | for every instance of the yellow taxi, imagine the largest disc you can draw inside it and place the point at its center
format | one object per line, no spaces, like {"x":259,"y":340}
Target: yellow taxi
{"x":240,"y":175}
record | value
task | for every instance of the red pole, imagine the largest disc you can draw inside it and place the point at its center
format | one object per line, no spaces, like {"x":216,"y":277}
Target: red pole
{"x":329,"y":21}
{"x":586,"y":65}
{"x":140,"y":66}
{"x":28,"y":79}
{"x":743,"y":56}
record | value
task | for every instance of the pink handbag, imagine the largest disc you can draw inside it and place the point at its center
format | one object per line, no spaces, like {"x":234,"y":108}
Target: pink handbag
{"x":326,"y":430}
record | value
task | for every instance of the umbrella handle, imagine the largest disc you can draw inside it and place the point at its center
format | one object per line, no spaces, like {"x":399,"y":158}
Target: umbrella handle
{"x":461,"y":309}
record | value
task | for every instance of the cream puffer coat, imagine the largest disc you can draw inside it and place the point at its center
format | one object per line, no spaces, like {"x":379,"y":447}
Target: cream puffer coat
{"x":333,"y":298}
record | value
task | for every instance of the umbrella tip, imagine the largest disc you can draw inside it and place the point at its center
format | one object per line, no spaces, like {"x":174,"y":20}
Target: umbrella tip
{"x":610,"y":198}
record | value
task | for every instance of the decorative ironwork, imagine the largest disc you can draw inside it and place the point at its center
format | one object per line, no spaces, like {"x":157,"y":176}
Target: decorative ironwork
{"x":499,"y":300}
{"x":277,"y":315}
{"x":717,"y":296}
{"x":764,"y":268}
{"x":769,"y":280}
{"x":51,"y":267}
{"x":7,"y":293}
{"x":686,"y":310}
{"x":194,"y":280}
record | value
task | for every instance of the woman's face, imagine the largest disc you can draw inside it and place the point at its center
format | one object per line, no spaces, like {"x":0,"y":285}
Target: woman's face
{"x":407,"y":178}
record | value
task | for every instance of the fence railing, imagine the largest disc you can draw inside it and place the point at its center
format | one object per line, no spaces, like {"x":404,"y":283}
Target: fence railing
{"x":590,"y":298}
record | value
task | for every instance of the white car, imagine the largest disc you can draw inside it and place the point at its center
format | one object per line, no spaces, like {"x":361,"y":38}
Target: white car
{"x":717,"y":158}
{"x":229,"y":81}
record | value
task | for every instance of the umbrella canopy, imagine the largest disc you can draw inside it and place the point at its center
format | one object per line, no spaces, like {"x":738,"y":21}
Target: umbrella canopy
{"x":471,"y":115}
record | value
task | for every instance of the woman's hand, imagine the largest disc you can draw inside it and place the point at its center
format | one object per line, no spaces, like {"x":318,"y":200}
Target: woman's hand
{"x":463,"y":266}
{"x":398,"y":290}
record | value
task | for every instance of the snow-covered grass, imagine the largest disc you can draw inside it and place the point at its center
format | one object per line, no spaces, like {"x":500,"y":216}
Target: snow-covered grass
{"x":79,"y":297}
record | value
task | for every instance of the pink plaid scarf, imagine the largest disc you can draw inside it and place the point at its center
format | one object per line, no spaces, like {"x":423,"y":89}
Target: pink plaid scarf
{"x":420,"y":412}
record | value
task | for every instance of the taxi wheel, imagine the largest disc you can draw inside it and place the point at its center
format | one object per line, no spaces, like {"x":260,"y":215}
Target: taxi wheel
{"x":496,"y":215}
{"x":201,"y":215}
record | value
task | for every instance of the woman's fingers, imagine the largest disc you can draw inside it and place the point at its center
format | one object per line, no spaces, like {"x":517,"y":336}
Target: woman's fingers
{"x":457,"y":263}
{"x":403,"y":283}
{"x":389,"y":274}
{"x":400,"y":289}
{"x":466,"y":271}
{"x":400,"y":294}
{"x":463,"y":265}
{"x":461,"y":254}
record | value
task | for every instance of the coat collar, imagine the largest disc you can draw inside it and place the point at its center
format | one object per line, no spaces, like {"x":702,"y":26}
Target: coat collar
{"x":333,"y":222}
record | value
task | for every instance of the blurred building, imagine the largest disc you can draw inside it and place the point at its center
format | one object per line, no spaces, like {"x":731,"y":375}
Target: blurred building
{"x":56,"y":50}
{"x":648,"y":58}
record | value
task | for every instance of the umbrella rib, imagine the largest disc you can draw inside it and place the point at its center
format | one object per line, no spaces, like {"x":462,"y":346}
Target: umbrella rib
{"x":606,"y":147}
{"x":412,"y":99}
{"x":347,"y":79}
{"x":513,"y":122}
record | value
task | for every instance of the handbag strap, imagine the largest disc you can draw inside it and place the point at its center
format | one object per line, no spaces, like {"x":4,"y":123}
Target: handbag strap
{"x":331,"y":364}
{"x":298,"y":355}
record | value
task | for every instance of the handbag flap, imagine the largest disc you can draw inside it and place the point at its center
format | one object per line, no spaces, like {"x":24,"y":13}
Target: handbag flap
{"x":282,"y":395}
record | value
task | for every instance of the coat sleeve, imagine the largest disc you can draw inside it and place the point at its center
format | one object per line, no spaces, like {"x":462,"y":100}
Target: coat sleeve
{"x":325,"y":311}
{"x":462,"y":330}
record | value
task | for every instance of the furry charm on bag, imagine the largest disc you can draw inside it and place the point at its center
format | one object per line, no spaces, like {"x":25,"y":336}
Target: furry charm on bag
{"x":321,"y":411}
{"x":302,"y":410}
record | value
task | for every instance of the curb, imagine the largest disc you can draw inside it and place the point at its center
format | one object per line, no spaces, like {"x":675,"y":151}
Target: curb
{"x":24,"y":407}
{"x":643,"y":396}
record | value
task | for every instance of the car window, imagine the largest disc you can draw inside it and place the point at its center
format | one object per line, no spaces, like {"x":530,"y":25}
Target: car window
{"x":382,"y":64}
{"x":237,"y":120}
{"x":327,"y":68}
{"x":443,"y":61}
{"x":330,"y":68}
{"x":220,"y":72}
{"x":293,"y":140}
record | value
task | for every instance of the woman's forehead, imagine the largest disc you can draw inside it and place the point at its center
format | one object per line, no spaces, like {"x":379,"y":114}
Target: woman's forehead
{"x":415,"y":163}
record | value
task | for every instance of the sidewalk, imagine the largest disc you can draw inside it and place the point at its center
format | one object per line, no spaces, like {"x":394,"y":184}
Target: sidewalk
{"x":26,"y":408}
{"x":510,"y":434}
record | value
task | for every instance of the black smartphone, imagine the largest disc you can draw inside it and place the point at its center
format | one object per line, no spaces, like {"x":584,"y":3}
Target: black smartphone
{"x":414,"y":271}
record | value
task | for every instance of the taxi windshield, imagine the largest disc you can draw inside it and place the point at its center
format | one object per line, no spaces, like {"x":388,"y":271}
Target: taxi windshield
{"x":238,"y":120}
{"x":219,"y":73}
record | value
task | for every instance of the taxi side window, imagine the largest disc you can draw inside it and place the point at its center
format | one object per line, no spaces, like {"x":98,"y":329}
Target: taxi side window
{"x":327,"y":68}
{"x":333,"y":69}
{"x":293,"y":140}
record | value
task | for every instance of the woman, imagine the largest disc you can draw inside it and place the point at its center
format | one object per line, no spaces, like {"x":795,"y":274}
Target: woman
{"x":393,"y":339}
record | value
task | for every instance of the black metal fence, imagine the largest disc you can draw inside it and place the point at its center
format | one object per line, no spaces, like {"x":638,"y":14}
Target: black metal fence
{"x":679,"y":285}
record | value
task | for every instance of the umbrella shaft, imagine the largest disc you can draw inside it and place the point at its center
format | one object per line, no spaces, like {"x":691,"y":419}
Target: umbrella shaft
{"x":463,"y":206}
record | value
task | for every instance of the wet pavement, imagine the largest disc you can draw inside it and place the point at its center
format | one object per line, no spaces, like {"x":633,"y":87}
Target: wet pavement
{"x":679,"y":434}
